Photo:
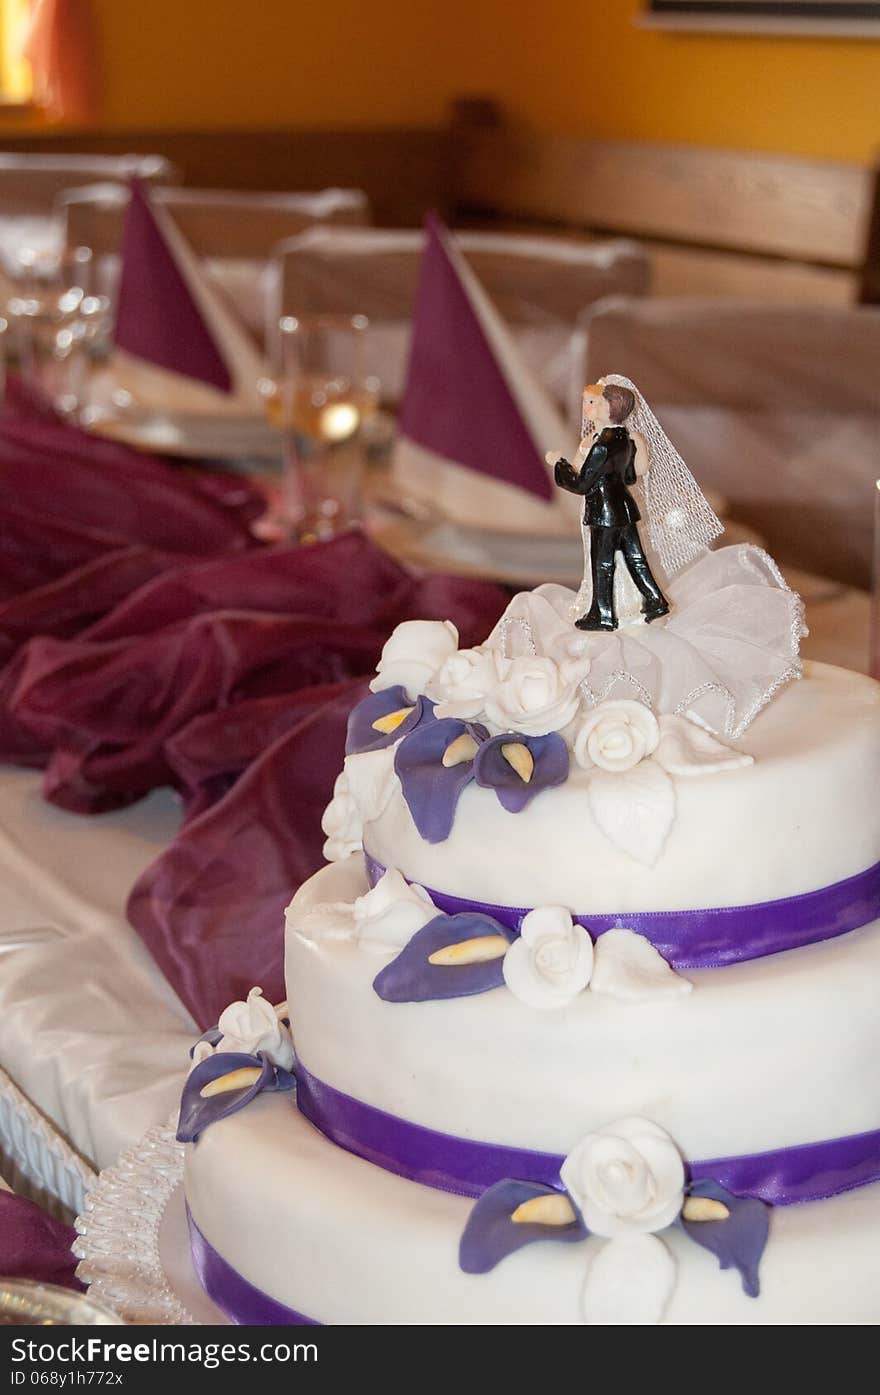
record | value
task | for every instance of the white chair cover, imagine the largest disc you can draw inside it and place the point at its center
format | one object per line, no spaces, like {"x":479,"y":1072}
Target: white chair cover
{"x":776,"y":407}
{"x":233,"y":232}
{"x":30,"y":186}
{"x":540,"y":285}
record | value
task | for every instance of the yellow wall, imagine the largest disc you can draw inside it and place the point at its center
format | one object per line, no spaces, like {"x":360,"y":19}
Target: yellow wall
{"x":564,"y":65}
{"x":586,"y":68}
{"x":337,"y":63}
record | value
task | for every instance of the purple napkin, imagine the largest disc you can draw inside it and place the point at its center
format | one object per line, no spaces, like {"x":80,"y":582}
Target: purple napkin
{"x":157,"y":316}
{"x":457,"y":401}
{"x":33,"y":1245}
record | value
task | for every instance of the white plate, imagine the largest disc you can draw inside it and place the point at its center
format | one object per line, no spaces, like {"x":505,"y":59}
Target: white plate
{"x":192,"y":436}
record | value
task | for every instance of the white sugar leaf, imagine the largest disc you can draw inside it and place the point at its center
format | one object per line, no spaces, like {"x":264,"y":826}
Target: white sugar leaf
{"x":688,"y":749}
{"x":328,"y":920}
{"x":371,"y":781}
{"x":628,"y":967}
{"x":634,"y":808}
{"x":629,"y":1283}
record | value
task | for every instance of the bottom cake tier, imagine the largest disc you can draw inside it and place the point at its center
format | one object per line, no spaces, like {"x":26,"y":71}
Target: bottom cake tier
{"x":282,"y":1219}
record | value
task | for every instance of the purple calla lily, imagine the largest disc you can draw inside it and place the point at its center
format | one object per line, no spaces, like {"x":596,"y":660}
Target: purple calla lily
{"x":493,"y":771}
{"x":197,"y":1113}
{"x":412,"y":978}
{"x":431,"y":789}
{"x":490,"y":1235}
{"x":361,"y":735}
{"x":212,"y":1036}
{"x":736,"y":1242}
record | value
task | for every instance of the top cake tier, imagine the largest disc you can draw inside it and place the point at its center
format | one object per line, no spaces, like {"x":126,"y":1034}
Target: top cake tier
{"x":802,"y":816}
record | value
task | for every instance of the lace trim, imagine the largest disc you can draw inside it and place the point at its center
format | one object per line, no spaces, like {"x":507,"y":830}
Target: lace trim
{"x":118,"y":1244}
{"x":519,"y":622}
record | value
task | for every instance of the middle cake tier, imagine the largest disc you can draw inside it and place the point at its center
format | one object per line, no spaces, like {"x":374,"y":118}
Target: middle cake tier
{"x":715,"y":1068}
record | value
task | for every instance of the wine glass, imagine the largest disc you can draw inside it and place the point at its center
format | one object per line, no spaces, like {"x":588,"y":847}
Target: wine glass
{"x":320,"y":398}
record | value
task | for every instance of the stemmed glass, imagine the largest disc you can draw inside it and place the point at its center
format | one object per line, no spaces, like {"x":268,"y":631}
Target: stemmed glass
{"x":319,"y":398}
{"x":55,"y":320}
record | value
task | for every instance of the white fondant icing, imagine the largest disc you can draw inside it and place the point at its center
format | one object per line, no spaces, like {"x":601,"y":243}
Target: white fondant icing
{"x":634,"y":808}
{"x":342,"y":822}
{"x":616,"y":736}
{"x":387,"y":917}
{"x":626,"y":1178}
{"x":626,"y":966}
{"x":718,"y":1069}
{"x":343,"y":1241}
{"x":551,"y":962}
{"x":413,"y":654}
{"x":803,"y":816}
{"x":255,"y":1026}
{"x":629,"y":1282}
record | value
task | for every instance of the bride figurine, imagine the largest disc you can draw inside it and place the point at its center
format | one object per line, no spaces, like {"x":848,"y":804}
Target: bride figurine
{"x":729,"y":626}
{"x":623,"y":445}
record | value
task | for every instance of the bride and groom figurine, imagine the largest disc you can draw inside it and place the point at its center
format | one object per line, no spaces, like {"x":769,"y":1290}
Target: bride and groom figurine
{"x":624,"y":447}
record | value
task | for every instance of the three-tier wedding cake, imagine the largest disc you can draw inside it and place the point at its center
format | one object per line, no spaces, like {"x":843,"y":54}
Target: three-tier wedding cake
{"x":582,"y":1011}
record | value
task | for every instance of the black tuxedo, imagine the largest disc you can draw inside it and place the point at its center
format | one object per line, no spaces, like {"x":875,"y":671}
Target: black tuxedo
{"x":611,"y":513}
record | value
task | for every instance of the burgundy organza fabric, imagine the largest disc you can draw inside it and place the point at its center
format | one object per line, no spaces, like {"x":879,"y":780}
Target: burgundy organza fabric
{"x":145,"y":640}
{"x":33,"y":1245}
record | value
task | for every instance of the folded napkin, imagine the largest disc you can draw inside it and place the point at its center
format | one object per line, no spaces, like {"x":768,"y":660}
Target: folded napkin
{"x":181,"y":342}
{"x":33,"y":1245}
{"x":474,"y":423}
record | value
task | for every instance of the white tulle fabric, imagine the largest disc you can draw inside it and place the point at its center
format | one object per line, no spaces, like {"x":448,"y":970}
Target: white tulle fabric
{"x":730,"y":642}
{"x":681,"y":523}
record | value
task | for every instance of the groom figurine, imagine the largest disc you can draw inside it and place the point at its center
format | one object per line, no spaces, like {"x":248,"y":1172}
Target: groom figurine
{"x":601,"y":472}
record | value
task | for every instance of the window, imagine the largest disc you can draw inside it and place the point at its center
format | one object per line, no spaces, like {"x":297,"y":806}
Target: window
{"x":15,"y":72}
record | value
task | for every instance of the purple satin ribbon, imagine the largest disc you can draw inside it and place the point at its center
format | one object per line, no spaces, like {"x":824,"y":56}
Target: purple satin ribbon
{"x":783,"y":1177}
{"x":238,"y":1299}
{"x":710,"y":938}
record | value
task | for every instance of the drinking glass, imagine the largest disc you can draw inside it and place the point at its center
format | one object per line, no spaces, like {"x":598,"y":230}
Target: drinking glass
{"x":45,"y":312}
{"x":319,"y":399}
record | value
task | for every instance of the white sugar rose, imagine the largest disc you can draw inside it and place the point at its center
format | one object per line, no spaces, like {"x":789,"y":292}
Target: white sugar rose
{"x":628,"y":1178}
{"x":533,"y":695}
{"x":342,"y":823}
{"x":413,"y":654}
{"x":616,"y":735}
{"x":388,"y":916}
{"x":462,"y":683}
{"x":552,"y":960}
{"x":255,"y":1026}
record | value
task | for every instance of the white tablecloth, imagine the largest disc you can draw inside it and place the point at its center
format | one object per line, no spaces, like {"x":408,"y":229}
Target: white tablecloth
{"x":89,"y":1029}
